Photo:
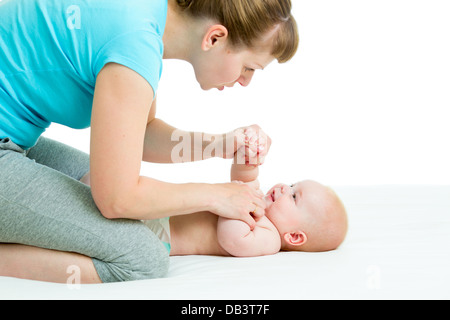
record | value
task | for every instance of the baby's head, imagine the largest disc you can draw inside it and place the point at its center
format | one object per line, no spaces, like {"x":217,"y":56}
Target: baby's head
{"x":309,"y":216}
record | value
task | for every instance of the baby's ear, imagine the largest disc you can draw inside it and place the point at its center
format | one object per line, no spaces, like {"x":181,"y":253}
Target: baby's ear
{"x":296,"y":238}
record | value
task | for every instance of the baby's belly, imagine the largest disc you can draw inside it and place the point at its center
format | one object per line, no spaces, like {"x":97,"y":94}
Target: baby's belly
{"x":195,"y":234}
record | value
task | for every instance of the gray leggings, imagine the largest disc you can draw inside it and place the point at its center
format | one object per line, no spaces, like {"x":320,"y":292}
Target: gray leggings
{"x":43,"y":204}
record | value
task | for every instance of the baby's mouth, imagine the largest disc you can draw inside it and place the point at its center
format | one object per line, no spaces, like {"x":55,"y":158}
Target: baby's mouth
{"x":270,"y":196}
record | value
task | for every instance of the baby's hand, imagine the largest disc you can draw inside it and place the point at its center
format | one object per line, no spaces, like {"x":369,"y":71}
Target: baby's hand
{"x":257,"y":145}
{"x":251,"y":145}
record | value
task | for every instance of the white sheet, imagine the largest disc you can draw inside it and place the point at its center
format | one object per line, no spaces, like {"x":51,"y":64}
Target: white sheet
{"x":397,"y":248}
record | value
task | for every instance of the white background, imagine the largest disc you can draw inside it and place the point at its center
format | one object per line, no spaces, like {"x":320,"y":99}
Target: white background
{"x":366,"y":100}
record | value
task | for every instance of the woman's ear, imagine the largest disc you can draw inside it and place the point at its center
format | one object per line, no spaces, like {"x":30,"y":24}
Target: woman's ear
{"x":297,"y":238}
{"x":215,"y":34}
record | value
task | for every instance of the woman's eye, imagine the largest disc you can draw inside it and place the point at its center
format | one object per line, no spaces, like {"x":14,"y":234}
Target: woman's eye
{"x":249,"y":69}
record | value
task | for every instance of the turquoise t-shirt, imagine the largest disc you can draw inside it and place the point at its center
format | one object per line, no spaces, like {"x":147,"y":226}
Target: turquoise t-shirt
{"x":51,"y":52}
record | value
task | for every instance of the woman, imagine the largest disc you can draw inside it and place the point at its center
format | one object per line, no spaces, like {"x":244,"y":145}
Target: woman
{"x":98,"y":63}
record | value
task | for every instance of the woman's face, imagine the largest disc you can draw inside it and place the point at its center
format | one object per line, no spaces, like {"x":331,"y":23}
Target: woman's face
{"x":222,"y":67}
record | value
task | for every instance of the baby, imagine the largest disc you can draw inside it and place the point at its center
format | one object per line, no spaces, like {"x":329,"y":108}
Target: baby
{"x":305,"y":216}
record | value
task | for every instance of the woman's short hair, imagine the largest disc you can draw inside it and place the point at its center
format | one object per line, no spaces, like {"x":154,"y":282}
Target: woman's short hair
{"x":247,"y":21}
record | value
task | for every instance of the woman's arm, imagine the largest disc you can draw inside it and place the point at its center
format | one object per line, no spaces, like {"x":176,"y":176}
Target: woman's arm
{"x":166,"y":144}
{"x":121,"y":109}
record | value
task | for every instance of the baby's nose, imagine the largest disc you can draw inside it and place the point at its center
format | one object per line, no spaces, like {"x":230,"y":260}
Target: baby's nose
{"x":284,"y":189}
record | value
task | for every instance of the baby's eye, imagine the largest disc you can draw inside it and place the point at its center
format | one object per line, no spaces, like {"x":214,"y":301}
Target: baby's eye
{"x":294,"y":196}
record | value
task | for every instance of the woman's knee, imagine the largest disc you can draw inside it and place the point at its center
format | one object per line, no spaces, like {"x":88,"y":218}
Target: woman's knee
{"x":152,"y":263}
{"x":144,"y":257}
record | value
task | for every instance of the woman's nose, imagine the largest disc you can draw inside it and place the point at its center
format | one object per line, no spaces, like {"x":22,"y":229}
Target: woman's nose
{"x":245,"y":80}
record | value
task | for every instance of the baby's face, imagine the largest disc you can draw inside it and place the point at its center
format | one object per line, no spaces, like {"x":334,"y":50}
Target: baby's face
{"x":289,"y":207}
{"x":309,"y":212}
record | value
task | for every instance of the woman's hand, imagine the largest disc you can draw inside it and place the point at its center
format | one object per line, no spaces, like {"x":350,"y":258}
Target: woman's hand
{"x":250,"y":145}
{"x":239,"y":201}
{"x":257,"y":145}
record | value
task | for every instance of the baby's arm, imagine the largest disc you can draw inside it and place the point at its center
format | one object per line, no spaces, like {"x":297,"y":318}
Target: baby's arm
{"x":244,"y":173}
{"x":237,"y":239}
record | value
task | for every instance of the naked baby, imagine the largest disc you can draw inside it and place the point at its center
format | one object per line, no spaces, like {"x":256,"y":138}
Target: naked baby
{"x":305,"y":216}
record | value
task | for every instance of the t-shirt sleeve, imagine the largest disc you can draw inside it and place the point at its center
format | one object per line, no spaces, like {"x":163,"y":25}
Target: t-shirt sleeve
{"x":141,"y":51}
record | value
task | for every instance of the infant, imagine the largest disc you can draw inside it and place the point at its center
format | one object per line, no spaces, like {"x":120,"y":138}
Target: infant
{"x":305,"y":216}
